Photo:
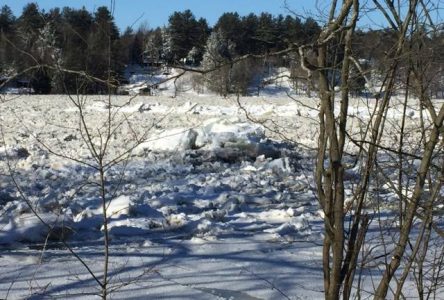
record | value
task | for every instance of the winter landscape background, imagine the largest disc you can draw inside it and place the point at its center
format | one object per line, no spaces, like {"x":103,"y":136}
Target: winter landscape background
{"x":264,"y":157}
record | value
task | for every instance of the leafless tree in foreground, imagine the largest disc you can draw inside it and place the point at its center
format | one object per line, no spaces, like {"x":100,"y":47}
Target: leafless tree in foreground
{"x":105,"y":153}
{"x":346,"y":224}
{"x":341,"y":147}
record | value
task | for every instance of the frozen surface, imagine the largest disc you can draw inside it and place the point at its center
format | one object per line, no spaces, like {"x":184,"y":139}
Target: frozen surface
{"x":207,"y":204}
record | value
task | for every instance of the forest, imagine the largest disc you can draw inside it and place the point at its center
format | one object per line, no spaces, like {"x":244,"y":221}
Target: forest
{"x":52,"y":51}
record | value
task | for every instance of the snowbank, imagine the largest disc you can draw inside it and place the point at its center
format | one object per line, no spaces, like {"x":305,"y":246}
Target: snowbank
{"x":28,"y":227}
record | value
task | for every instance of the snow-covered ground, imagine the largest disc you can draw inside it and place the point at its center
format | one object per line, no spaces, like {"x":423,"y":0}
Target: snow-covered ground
{"x":215,"y":200}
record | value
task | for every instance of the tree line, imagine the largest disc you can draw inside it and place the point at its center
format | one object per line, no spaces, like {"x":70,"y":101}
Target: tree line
{"x":90,"y":43}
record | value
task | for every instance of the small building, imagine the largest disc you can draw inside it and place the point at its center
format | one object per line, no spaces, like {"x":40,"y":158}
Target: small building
{"x":152,"y":59}
{"x":9,"y":85}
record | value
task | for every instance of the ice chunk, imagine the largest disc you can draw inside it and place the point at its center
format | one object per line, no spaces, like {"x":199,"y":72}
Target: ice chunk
{"x":178,"y":139}
{"x":30,"y":228}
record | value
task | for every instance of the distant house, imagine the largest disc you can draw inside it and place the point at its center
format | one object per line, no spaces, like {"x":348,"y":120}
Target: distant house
{"x":3,"y":81}
{"x":10,"y":85}
{"x":152,"y":59}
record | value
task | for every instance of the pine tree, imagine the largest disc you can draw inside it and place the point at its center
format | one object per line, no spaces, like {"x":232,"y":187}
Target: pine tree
{"x":7,"y":37}
{"x":311,"y":29}
{"x":219,"y":52}
{"x":76,"y":28}
{"x":153,"y":46}
{"x":102,"y":49}
{"x":29,"y":26}
{"x":7,"y":19}
{"x":136,"y":48}
{"x":203,"y":32}
{"x":184,"y":33}
{"x":48,"y":54}
{"x":229,"y":24}
{"x":247,"y":42}
{"x":167,"y":45}
{"x":266,"y":34}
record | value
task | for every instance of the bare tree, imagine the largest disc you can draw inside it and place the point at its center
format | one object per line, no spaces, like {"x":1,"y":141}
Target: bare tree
{"x":343,"y":244}
{"x":105,"y":153}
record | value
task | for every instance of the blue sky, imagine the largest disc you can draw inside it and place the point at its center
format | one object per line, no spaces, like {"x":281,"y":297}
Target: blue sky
{"x":156,"y":12}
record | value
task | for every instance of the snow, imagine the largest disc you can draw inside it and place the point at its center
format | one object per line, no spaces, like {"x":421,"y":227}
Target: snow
{"x":178,"y":139}
{"x":27,"y":227}
{"x":208,"y":205}
{"x":17,"y":91}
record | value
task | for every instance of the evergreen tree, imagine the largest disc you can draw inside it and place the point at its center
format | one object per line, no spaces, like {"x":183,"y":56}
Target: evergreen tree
{"x":167,"y":45}
{"x":293,"y":31}
{"x":126,"y":40}
{"x":7,"y":37}
{"x":247,"y":42}
{"x":184,"y":33}
{"x":229,"y":25}
{"x":311,"y":29}
{"x":77,"y":24}
{"x":29,"y":26}
{"x":203,"y":32}
{"x":55,"y":18}
{"x":218,"y":53}
{"x":194,"y":56}
{"x":48,"y":54}
{"x":153,"y":46}
{"x":136,"y":48}
{"x":103,"y":49}
{"x":266,"y":34}
{"x":7,"y":19}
